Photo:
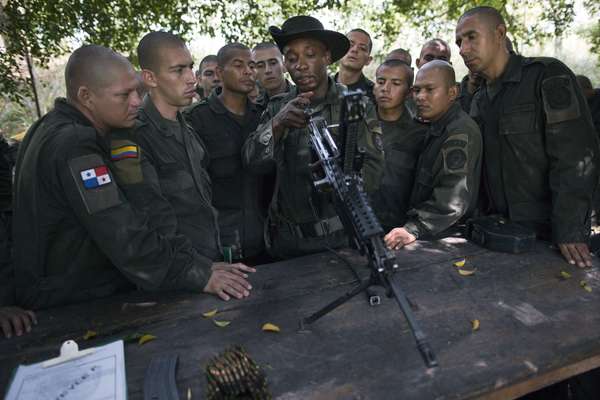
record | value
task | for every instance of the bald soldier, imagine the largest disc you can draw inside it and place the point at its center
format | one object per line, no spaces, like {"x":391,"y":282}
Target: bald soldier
{"x":448,"y":170}
{"x":540,"y":148}
{"x":206,"y":76}
{"x":167,"y":176}
{"x":435,"y":49}
{"x":354,"y":61}
{"x":77,"y":236}
{"x":400,"y":55}
{"x":270,"y":71}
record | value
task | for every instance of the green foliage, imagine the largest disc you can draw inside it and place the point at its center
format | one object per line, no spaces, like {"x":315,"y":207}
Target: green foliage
{"x":46,"y":29}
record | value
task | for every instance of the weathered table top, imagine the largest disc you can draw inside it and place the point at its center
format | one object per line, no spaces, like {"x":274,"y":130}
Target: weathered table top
{"x":535,"y":328}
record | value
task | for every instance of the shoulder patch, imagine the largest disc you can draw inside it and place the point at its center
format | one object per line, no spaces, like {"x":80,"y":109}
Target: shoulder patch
{"x":94,"y":181}
{"x":456,"y":159}
{"x":124,"y":151}
{"x":560,"y":101}
{"x":126,"y":158}
{"x":454,"y":153}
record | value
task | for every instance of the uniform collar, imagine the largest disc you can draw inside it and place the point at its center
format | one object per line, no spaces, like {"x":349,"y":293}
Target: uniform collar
{"x":217,"y":106}
{"x":362,"y":80}
{"x":62,"y":106}
{"x":438,"y":127}
{"x":512,"y":73}
{"x":151,"y":112}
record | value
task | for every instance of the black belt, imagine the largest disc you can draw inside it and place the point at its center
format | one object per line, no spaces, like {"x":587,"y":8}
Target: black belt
{"x":317,"y":229}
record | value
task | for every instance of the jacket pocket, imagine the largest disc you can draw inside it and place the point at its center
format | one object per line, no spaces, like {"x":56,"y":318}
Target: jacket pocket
{"x":517,"y":120}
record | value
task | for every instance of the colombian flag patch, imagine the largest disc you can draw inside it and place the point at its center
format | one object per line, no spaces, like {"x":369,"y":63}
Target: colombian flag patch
{"x":123,"y":152}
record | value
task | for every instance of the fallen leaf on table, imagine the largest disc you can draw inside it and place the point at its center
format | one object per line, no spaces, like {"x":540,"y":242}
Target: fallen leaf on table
{"x":210,"y":314}
{"x":475,"y":325}
{"x":459,"y":264}
{"x":146,"y":338}
{"x":268,"y":327}
{"x":466,"y":272}
{"x":89,"y":334}
{"x":564,"y":275}
{"x":585,"y":286}
{"x":132,"y":337}
{"x":221,"y":324}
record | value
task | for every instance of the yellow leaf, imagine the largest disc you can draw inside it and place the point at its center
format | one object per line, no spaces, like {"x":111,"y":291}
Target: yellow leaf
{"x":459,"y":264}
{"x":268,"y":327}
{"x":89,"y":334}
{"x":585,"y":286}
{"x":466,"y":272}
{"x":221,"y":324}
{"x":475,"y":325}
{"x":565,"y":274}
{"x":146,"y":338}
{"x":210,"y":314}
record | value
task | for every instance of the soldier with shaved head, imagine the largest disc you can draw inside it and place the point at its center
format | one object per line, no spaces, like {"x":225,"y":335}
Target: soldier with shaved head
{"x":540,"y":148}
{"x":77,"y":234}
{"x":448,"y":170}
{"x":167,"y":178}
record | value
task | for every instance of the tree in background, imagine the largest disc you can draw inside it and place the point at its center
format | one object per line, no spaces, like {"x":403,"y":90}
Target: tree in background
{"x":34,"y":32}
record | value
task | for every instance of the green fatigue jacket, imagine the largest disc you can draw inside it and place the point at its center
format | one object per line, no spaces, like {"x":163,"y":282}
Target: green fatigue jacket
{"x":169,"y":181}
{"x":448,"y":172}
{"x":302,"y":220}
{"x":402,"y":144}
{"x":263,"y":98}
{"x":363,"y":83}
{"x":465,"y":98}
{"x":77,"y":236}
{"x":540,"y":149}
{"x":239,"y":194}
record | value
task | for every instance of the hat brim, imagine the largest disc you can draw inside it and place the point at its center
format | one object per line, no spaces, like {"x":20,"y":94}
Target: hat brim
{"x":337,"y":44}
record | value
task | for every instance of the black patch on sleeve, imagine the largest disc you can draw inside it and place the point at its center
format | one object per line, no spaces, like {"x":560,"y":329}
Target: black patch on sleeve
{"x":98,"y":198}
{"x":560,"y":101}
{"x":455,"y":159}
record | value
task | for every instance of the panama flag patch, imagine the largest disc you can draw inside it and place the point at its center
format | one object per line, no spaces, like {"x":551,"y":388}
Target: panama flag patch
{"x":95,"y":177}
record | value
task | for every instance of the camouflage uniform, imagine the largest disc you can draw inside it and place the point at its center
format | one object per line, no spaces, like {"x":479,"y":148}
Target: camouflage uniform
{"x":540,"y":149}
{"x":302,"y":220}
{"x":448,"y":172}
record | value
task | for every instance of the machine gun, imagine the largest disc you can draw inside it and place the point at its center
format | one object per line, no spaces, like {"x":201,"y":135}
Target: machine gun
{"x":355,"y":212}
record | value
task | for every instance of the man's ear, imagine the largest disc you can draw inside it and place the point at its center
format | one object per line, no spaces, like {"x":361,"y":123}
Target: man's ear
{"x":219,"y":71}
{"x":369,"y":61}
{"x":453,"y":92}
{"x":84,"y":96}
{"x":328,"y":57}
{"x":149,"y":78}
{"x":500,"y":32}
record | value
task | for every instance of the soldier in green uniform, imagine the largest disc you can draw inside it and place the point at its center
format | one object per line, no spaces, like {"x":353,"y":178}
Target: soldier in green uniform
{"x":302,"y":220}
{"x":356,"y":59}
{"x":168,"y":179}
{"x":540,"y":149}
{"x":402,"y":142}
{"x":270,"y":72}
{"x":206,"y":76}
{"x":434,"y":49}
{"x":223,"y":122}
{"x":77,"y":236}
{"x":401,"y":55}
{"x":448,"y":171}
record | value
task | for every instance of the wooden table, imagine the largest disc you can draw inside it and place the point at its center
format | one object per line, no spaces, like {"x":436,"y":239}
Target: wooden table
{"x":536,"y":329}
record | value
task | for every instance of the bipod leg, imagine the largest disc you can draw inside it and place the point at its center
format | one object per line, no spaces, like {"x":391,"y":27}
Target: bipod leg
{"x":337,"y":302}
{"x":420,"y":338}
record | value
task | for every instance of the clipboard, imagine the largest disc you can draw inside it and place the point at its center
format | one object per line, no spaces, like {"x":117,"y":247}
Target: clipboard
{"x":93,"y":373}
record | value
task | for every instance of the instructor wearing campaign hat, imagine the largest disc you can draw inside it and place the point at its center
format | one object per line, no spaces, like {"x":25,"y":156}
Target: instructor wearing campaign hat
{"x":301,"y":220}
